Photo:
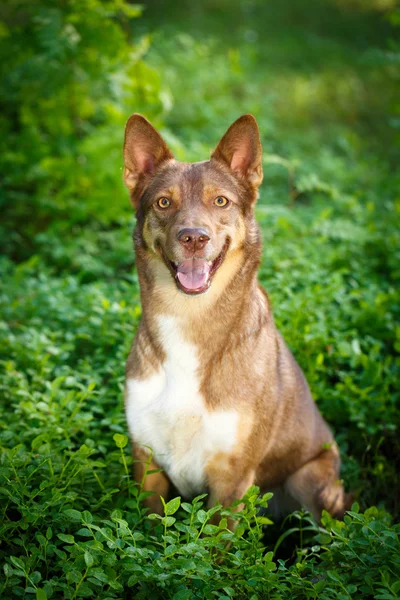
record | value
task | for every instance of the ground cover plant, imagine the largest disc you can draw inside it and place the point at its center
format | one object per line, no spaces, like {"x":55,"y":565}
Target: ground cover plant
{"x":322,"y":80}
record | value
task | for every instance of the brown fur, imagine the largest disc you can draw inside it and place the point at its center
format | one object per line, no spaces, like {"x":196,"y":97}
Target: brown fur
{"x":244,"y":363}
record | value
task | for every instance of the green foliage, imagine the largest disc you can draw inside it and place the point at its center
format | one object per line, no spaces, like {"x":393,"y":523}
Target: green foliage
{"x":102,"y":551}
{"x":322,"y":81}
{"x":70,"y":77}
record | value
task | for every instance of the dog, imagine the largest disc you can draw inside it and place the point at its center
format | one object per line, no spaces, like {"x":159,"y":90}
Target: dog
{"x":215,"y":401}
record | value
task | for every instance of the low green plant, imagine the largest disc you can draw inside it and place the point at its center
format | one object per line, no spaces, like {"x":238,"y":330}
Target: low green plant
{"x":105,"y":552}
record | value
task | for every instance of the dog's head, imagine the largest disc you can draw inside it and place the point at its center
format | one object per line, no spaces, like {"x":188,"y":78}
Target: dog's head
{"x":192,"y":216}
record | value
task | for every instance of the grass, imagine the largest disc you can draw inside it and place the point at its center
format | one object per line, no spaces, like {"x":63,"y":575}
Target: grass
{"x":72,"y":522}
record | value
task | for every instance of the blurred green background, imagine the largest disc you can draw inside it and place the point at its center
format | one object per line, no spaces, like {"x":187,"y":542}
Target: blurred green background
{"x":322,"y":78}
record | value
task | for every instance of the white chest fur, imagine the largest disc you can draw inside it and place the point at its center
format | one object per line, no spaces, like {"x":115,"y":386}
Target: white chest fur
{"x":168,"y":413}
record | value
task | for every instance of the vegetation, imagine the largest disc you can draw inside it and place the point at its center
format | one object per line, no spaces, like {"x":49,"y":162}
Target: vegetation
{"x":321,"y":77}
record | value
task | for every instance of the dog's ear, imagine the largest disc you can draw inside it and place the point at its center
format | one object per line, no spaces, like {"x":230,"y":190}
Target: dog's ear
{"x":240,"y":149}
{"x":144,"y":151}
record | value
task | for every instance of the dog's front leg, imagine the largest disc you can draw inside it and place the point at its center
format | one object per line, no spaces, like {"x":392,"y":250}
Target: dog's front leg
{"x":143,"y":465}
{"x":226,"y":487}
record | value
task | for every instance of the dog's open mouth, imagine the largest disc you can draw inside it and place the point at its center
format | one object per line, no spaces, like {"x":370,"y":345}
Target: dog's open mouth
{"x":194,"y":275}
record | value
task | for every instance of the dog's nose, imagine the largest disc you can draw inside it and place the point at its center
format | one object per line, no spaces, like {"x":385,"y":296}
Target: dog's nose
{"x":193,"y":239}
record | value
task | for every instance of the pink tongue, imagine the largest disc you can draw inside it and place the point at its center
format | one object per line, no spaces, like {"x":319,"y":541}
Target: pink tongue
{"x":193,"y":273}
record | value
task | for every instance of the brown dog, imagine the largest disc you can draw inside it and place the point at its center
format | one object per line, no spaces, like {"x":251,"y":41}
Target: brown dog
{"x":211,"y":386}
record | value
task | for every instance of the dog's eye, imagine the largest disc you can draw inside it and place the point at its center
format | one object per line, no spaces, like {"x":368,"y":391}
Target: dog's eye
{"x":221,"y":201}
{"x":164,"y":203}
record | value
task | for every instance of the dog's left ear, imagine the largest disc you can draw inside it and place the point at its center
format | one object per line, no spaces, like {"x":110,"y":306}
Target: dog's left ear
{"x":240,"y":149}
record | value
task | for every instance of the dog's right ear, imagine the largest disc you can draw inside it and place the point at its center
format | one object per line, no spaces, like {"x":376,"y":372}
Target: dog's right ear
{"x":144,"y":151}
{"x":240,"y":149}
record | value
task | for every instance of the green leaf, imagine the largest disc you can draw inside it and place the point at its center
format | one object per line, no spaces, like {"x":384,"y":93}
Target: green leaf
{"x":268,"y":556}
{"x":69,"y":539}
{"x":73,"y":514}
{"x":172,"y":506}
{"x":41,"y":594}
{"x":197,"y":499}
{"x":264,"y":521}
{"x":99,"y":574}
{"x":356,"y":516}
{"x":17,"y":563}
{"x":170,"y":550}
{"x":182,"y":595}
{"x":334,"y":577}
{"x":239,"y":531}
{"x":210,"y":529}
{"x":323,"y":539}
{"x":41,"y":539}
{"x":39,"y":440}
{"x":87,"y":517}
{"x":320,"y":585}
{"x":89,"y":560}
{"x":201,"y":516}
{"x":168,"y":521}
{"x":120,"y":440}
{"x":223,"y":524}
{"x":85,"y":591}
{"x":84,"y":532}
{"x":396,"y":587}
